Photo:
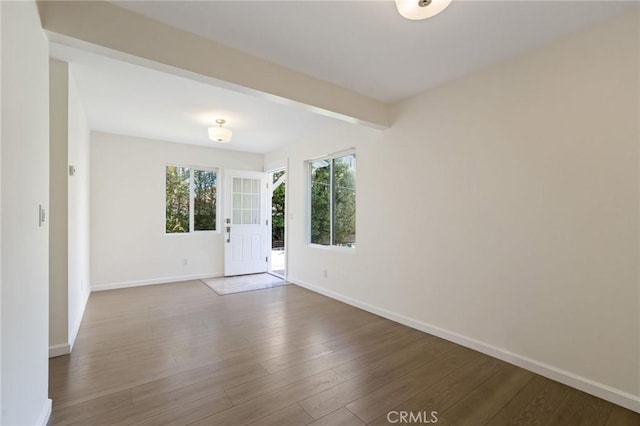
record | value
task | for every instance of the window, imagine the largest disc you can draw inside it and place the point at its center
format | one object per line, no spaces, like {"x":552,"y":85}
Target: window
{"x":332,"y":201}
{"x":190,"y":200}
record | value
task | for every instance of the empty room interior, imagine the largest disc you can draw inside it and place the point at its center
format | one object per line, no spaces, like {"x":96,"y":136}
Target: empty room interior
{"x":320,"y":212}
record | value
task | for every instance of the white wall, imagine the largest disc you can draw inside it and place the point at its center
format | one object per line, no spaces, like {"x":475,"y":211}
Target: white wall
{"x":58,"y":208}
{"x":79,"y":286}
{"x":501,"y":211}
{"x":0,"y":211}
{"x":25,"y":184}
{"x":128,"y":242}
{"x":69,"y":210}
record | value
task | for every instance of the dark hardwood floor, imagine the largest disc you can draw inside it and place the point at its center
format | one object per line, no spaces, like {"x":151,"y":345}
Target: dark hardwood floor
{"x":180,"y":354}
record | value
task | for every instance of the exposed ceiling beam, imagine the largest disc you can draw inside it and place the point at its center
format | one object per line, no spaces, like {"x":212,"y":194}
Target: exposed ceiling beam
{"x":109,"y":30}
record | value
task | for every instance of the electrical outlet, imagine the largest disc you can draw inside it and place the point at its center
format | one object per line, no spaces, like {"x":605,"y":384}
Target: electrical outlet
{"x":185,"y":262}
{"x":324,"y":273}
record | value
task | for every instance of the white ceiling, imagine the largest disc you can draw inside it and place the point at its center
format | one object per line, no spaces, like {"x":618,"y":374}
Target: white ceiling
{"x":128,"y":99}
{"x":366,"y":46}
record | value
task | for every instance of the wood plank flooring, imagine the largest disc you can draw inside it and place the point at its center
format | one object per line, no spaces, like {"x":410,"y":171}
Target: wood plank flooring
{"x":179,"y":354}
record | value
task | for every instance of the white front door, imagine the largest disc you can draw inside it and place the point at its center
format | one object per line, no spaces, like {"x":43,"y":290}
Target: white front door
{"x":245,"y":227}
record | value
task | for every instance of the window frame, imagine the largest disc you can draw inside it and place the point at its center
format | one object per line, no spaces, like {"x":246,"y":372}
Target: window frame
{"x":192,"y":230}
{"x":308,"y":169}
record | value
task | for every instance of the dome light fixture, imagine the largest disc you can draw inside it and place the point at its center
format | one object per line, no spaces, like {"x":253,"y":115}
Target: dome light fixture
{"x":220,"y":134}
{"x":421,"y":9}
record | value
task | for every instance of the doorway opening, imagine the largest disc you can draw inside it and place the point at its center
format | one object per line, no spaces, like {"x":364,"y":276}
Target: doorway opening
{"x":277,"y":192}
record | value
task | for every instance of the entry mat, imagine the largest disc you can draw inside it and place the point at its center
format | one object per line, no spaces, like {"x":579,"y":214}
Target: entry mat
{"x":242,"y":283}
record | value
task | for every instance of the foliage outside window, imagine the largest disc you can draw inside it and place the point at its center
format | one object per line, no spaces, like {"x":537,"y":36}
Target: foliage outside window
{"x":278,"y":211}
{"x":333,"y":201}
{"x":191,"y":198}
{"x":204,"y":200}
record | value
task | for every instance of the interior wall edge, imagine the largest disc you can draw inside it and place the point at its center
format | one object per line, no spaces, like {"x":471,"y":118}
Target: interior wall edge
{"x":76,"y":327}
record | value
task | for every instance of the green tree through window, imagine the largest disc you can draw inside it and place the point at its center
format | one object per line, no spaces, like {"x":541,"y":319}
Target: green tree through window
{"x":344,"y":201}
{"x":278,"y":211}
{"x":190,"y":193}
{"x":177,"y":199}
{"x":333,"y":201}
{"x":320,"y":202}
{"x":204,"y":200}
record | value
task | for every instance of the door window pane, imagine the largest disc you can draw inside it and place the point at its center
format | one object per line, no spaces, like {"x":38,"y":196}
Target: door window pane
{"x":246,"y":217}
{"x":246,"y":201}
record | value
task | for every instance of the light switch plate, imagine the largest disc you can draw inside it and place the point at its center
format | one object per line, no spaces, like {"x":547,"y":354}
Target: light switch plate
{"x":42,"y":215}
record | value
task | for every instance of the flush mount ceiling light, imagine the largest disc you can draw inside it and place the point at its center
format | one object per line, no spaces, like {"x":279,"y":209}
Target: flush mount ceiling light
{"x":220,"y":134}
{"x":421,"y":9}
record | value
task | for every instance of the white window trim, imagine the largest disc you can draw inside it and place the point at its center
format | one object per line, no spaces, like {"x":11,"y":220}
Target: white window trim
{"x":342,"y":249}
{"x":192,"y":198}
{"x":307,"y":166}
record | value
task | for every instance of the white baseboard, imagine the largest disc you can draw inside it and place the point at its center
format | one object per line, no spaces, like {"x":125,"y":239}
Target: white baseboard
{"x":43,"y":418}
{"x":127,"y":284}
{"x":58,"y":350}
{"x":608,"y":393}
